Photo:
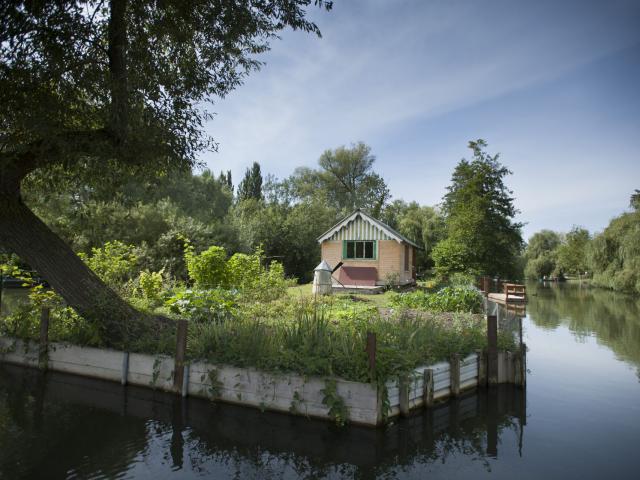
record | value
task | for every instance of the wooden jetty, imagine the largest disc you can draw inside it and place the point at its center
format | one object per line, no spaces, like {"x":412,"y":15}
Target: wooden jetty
{"x":513,"y":293}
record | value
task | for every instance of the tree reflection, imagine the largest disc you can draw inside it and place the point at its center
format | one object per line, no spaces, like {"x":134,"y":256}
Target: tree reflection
{"x":614,"y":318}
{"x":54,"y":424}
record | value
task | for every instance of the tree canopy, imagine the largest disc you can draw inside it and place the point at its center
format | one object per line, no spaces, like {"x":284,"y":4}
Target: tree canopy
{"x":482,"y":235}
{"x":96,"y":88}
{"x":345,"y":180}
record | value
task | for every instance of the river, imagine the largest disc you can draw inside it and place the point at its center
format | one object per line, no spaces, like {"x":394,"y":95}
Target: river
{"x":579,"y":417}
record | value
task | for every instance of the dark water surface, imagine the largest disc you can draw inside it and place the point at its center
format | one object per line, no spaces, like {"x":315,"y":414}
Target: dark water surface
{"x":579,"y":417}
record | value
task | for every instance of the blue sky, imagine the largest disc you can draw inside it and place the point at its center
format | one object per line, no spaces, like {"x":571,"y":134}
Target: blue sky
{"x":554,"y":86}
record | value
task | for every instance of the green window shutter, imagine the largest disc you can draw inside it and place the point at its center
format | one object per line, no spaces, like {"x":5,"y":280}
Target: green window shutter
{"x":344,"y":249}
{"x":375,"y":249}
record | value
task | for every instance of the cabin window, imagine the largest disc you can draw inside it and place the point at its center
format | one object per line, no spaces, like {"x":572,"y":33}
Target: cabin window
{"x":364,"y":249}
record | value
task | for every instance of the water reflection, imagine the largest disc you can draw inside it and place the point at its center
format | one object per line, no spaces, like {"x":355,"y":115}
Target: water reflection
{"x":613,"y":318}
{"x":57,"y":425}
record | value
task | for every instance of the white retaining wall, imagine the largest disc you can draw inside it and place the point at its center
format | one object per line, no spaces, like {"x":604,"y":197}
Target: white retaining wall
{"x":246,"y":386}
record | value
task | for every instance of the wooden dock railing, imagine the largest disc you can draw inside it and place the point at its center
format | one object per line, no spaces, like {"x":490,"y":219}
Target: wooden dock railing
{"x":515,"y":292}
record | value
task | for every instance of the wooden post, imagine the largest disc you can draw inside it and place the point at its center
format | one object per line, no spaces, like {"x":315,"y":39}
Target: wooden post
{"x":125,"y":368}
{"x":482,"y":368}
{"x":181,"y":350}
{"x":43,"y":351}
{"x":454,"y":374}
{"x":486,"y":285}
{"x":404,"y":395}
{"x":523,"y":365}
{"x":428,"y":388}
{"x":492,"y":349}
{"x":185,"y":381}
{"x":371,"y":353}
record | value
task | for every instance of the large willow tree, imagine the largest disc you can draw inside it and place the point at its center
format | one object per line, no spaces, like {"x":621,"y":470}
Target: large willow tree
{"x":90,"y":89}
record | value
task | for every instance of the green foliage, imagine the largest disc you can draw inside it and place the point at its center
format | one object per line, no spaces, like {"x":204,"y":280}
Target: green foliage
{"x":453,"y":256}
{"x":328,"y":339}
{"x":338,"y":410}
{"x":115,"y":263}
{"x":150,"y":286}
{"x":614,"y":254}
{"x":422,"y":224}
{"x":244,"y":271}
{"x":447,"y":299}
{"x":482,"y":236}
{"x":571,"y":254}
{"x":251,"y":184}
{"x":65,"y":325}
{"x":207,"y":269}
{"x":541,"y":256}
{"x":345,"y":181}
{"x":212,"y":305}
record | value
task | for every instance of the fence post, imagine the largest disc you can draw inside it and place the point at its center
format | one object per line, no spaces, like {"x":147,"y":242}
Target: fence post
{"x":371,"y":353}
{"x":492,"y":349}
{"x":125,"y":368}
{"x":523,"y":365}
{"x":181,"y":350}
{"x":404,"y":395}
{"x":428,"y":388}
{"x":454,"y":374}
{"x":486,"y":287}
{"x":43,"y":349}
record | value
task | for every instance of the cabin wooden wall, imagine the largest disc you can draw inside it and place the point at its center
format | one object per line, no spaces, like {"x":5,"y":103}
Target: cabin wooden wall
{"x":390,"y":259}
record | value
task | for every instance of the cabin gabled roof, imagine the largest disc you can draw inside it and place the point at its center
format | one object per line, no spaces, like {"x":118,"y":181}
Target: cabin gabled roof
{"x":386,"y":229}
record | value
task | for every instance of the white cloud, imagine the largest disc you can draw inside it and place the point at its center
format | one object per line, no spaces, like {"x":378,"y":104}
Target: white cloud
{"x":384,"y":67}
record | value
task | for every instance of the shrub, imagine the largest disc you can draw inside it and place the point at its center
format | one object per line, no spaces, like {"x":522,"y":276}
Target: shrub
{"x":115,"y":263}
{"x":64,"y":323}
{"x":150,"y":286}
{"x":244,"y":271}
{"x":213,"y":305}
{"x":447,"y":299}
{"x":207,"y":269}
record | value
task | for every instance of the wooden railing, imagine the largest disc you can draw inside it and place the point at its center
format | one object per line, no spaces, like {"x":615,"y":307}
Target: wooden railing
{"x":515,"y":292}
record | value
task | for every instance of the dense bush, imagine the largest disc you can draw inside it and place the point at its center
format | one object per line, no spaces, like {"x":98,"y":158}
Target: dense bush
{"x":207,"y":269}
{"x":115,"y":263}
{"x":447,"y":299}
{"x":203,"y":305}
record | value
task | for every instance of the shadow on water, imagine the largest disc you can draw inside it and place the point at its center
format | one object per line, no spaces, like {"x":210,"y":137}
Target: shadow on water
{"x":56,"y":425}
{"x":613,"y":318}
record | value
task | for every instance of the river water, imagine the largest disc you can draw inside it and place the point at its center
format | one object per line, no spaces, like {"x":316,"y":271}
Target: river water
{"x":579,"y":417}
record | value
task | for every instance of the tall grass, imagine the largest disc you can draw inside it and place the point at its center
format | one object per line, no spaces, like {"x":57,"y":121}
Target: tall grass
{"x":314,"y":342}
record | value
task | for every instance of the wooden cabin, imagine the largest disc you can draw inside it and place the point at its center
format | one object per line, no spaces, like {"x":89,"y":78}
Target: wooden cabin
{"x":372,"y":252}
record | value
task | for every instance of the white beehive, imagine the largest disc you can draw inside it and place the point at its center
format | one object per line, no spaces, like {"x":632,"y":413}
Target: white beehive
{"x":322,"y":284}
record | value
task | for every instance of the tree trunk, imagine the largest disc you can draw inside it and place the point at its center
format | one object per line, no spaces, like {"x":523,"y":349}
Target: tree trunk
{"x":24,"y":234}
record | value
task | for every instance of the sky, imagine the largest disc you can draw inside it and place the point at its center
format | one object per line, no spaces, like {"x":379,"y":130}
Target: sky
{"x":553,"y":86}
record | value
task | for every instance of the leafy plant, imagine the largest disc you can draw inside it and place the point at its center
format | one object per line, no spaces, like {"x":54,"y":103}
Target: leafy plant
{"x":207,"y":269}
{"x":338,"y":410}
{"x":447,"y":299}
{"x":115,"y":263}
{"x":203,"y":305}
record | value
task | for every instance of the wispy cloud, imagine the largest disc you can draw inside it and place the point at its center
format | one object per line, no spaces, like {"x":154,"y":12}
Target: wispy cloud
{"x":384,"y":71}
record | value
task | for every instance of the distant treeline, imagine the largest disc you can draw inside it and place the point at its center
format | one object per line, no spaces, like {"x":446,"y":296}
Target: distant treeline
{"x":611,"y":258}
{"x":157,"y":214}
{"x":466,"y":233}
